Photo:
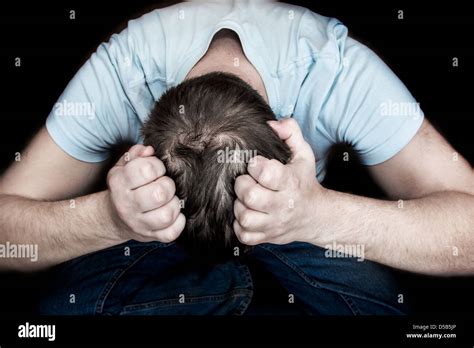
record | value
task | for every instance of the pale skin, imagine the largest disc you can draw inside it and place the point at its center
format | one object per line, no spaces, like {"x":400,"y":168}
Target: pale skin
{"x":430,"y":232}
{"x":276,"y":203}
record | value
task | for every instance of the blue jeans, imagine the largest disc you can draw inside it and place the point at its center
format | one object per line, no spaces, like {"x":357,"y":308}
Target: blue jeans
{"x":160,"y":279}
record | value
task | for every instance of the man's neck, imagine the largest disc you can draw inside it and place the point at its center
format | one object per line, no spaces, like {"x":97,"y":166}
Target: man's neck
{"x":225,"y":54}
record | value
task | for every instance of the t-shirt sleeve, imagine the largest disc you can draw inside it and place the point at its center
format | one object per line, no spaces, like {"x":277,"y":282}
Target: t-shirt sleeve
{"x":94,"y":113}
{"x":369,"y":107}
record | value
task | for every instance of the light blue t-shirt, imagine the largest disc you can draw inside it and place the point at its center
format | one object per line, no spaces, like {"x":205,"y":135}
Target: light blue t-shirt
{"x":336,"y":88}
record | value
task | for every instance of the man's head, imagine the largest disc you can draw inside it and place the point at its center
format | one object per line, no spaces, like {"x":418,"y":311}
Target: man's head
{"x":205,"y":130}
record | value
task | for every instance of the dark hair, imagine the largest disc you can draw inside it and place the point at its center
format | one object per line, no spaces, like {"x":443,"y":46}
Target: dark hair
{"x":205,"y":130}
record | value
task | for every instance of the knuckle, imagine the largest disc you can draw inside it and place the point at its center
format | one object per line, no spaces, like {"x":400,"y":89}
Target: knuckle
{"x":160,"y":236}
{"x":168,"y":185}
{"x":159,"y":166}
{"x":245,"y":220}
{"x":135,"y":147}
{"x":243,"y":237}
{"x":256,"y":161}
{"x":169,"y":236}
{"x":266,"y":175}
{"x":159,"y":194}
{"x":147,"y":170}
{"x":247,"y":239}
{"x":238,"y":181}
{"x":251,"y":196}
{"x":236,"y":208}
{"x":147,"y":234}
{"x":251,"y":242}
{"x":167,"y":216}
{"x":236,"y":227}
{"x":173,"y":233}
{"x":239,"y":236}
{"x":165,"y":239}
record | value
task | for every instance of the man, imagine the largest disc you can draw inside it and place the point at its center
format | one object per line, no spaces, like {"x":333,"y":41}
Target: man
{"x":303,"y":65}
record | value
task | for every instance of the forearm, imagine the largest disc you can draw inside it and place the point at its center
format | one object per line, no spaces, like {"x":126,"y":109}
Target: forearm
{"x":61,"y":230}
{"x":433,"y":234}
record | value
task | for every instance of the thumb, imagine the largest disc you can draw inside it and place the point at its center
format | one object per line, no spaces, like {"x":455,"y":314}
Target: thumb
{"x":289,"y":131}
{"x":135,"y":151}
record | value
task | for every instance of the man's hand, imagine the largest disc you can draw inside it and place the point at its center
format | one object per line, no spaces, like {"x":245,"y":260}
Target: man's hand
{"x":275,"y":202}
{"x":143,"y":200}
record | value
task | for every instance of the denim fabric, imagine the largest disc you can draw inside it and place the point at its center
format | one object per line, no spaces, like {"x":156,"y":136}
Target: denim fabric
{"x":161,"y":279}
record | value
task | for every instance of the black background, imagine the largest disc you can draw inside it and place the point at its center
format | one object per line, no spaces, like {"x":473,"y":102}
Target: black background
{"x":419,"y":48}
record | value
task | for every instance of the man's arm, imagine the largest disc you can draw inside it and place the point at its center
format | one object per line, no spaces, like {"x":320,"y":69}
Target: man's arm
{"x":60,"y":232}
{"x":429,"y":227}
{"x":35,"y":205}
{"x":431,"y":232}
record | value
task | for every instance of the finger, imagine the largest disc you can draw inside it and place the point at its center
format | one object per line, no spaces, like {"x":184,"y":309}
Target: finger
{"x":172,"y":232}
{"x":245,"y":188}
{"x":142,"y":171}
{"x":290,"y":132}
{"x":250,"y":220}
{"x":271,"y":174}
{"x":162,"y":217}
{"x":155,"y":194}
{"x":242,"y":183}
{"x":253,"y":195}
{"x":248,"y":238}
{"x":135,"y":151}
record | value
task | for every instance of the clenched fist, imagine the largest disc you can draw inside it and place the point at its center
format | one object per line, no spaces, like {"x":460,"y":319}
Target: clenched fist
{"x":143,"y":200}
{"x":276,"y":202}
